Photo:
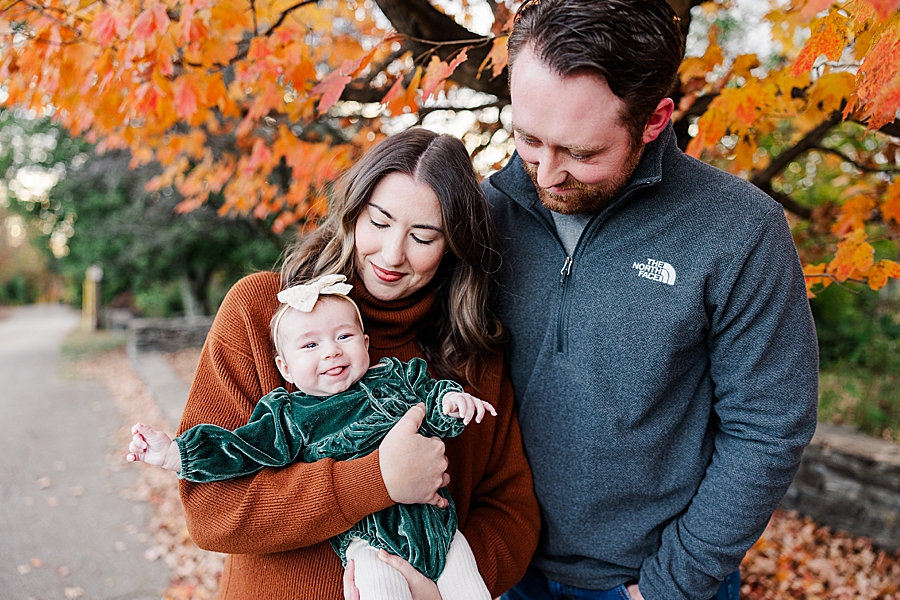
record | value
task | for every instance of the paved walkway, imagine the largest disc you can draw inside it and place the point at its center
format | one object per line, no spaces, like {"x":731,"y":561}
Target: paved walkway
{"x":64,"y":530}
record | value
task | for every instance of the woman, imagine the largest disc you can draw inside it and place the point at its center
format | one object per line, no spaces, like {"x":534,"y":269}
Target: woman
{"x":410,"y":227}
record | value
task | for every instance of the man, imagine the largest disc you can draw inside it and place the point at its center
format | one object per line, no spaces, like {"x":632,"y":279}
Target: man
{"x":662,"y":348}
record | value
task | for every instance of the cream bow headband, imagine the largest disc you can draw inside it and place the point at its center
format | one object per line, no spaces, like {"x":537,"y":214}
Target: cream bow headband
{"x":303,"y":297}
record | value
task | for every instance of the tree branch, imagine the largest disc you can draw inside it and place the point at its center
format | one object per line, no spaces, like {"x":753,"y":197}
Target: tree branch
{"x":862,"y":168}
{"x":808,"y":142}
{"x":428,"y":30}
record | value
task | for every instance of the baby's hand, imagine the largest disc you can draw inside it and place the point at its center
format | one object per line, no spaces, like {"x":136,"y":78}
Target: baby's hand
{"x":154,"y":448}
{"x":462,"y":406}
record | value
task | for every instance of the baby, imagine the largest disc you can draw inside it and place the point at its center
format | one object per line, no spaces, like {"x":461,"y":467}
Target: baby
{"x":343,"y":410}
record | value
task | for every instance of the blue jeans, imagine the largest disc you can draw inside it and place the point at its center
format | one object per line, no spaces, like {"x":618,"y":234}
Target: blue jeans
{"x":534,"y":586}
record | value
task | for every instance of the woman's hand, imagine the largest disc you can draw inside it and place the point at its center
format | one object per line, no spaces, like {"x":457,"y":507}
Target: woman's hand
{"x":420,"y":586}
{"x":413,"y":467}
{"x":351,"y":592}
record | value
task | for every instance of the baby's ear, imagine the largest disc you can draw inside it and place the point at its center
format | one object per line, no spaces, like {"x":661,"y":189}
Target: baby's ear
{"x":283,"y":369}
{"x":365,"y":337}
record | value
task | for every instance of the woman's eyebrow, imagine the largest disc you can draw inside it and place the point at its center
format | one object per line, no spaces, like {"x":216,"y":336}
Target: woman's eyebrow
{"x":413,"y":226}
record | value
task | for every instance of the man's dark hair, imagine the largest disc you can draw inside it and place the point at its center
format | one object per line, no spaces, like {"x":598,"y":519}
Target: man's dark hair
{"x":636,"y":45}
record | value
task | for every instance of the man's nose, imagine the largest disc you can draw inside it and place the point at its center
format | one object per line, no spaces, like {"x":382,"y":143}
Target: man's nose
{"x":550,"y":171}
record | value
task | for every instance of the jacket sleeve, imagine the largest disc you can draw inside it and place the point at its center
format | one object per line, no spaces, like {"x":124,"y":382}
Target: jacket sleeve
{"x":764,"y":364}
{"x":272,"y":438}
{"x":431,"y":392}
{"x":275,"y":509}
{"x":503,"y":520}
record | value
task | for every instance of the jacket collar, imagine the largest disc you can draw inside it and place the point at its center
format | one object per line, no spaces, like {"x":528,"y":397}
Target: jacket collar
{"x":513,"y":181}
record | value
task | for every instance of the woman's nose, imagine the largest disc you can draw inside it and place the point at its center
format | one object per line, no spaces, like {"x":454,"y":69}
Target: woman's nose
{"x":392,"y":250}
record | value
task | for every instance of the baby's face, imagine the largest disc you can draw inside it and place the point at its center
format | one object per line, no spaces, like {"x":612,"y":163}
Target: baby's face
{"x":324,"y":351}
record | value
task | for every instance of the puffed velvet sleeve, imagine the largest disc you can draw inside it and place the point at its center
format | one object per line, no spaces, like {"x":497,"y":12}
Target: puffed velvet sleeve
{"x":431,"y":392}
{"x":272,"y":438}
{"x":274,"y":509}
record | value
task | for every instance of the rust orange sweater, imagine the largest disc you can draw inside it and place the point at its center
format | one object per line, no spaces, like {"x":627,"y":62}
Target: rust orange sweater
{"x":275,"y":525}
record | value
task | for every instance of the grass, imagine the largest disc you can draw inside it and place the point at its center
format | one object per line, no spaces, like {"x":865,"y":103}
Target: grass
{"x":864,"y":399}
{"x":84,"y":345}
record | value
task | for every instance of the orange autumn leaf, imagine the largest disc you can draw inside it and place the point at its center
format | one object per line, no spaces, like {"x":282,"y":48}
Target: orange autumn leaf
{"x":152,"y":20}
{"x":107,"y":25}
{"x":881,"y":271}
{"x":187,"y":93}
{"x":890,"y":208}
{"x":879,"y":87}
{"x":695,"y":67}
{"x":815,"y":275}
{"x":743,"y":64}
{"x":330,"y":89}
{"x":853,"y":214}
{"x":854,"y":256}
{"x":334,"y":83}
{"x":399,"y":100}
{"x":497,"y":58}
{"x":829,"y":37}
{"x":437,"y":73}
{"x":813,"y":7}
{"x":884,"y":8}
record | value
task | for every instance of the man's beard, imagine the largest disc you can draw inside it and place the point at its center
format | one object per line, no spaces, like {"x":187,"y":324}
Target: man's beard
{"x":586,"y":198}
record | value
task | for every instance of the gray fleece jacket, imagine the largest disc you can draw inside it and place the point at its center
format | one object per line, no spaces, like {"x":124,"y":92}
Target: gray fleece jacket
{"x":666,"y":372}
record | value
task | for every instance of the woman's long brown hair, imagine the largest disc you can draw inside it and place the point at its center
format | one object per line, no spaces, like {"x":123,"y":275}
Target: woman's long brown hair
{"x":458,"y":345}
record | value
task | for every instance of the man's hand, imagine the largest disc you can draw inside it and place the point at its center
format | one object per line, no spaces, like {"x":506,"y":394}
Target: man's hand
{"x":413,"y":467}
{"x":464,"y":406}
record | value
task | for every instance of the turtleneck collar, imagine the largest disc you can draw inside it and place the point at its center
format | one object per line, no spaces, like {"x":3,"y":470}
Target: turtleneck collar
{"x":391,"y":324}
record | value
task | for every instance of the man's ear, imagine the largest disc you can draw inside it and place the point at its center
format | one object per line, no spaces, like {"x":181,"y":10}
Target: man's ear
{"x":658,"y":120}
{"x":283,"y":368}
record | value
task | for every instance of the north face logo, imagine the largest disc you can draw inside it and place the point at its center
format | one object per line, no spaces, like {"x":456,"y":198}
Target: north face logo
{"x":656,"y":270}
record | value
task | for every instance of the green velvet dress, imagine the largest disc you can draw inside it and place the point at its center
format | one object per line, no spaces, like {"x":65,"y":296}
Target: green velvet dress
{"x":287,"y":427}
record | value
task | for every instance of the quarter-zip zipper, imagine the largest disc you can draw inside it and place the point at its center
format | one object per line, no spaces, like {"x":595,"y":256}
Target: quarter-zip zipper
{"x":563,"y":283}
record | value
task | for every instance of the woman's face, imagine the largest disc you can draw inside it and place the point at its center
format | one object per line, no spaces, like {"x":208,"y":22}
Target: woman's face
{"x":399,"y":238}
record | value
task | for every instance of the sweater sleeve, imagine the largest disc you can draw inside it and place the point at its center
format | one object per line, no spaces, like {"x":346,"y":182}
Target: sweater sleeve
{"x":764,"y":364}
{"x":275,"y":509}
{"x":502,"y":522}
{"x":431,"y":392}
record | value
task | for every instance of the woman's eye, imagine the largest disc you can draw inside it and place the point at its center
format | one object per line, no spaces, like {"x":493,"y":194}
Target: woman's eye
{"x":377,"y":224}
{"x":421,"y":241}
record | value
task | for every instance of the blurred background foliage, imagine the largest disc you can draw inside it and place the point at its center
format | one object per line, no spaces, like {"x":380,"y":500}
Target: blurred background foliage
{"x":64,"y":208}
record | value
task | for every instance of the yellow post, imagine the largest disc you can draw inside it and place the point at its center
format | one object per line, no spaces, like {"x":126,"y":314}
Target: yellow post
{"x":90,"y":305}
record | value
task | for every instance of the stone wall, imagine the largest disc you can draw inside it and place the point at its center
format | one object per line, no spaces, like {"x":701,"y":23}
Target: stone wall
{"x":167,"y":335}
{"x":850,"y":482}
